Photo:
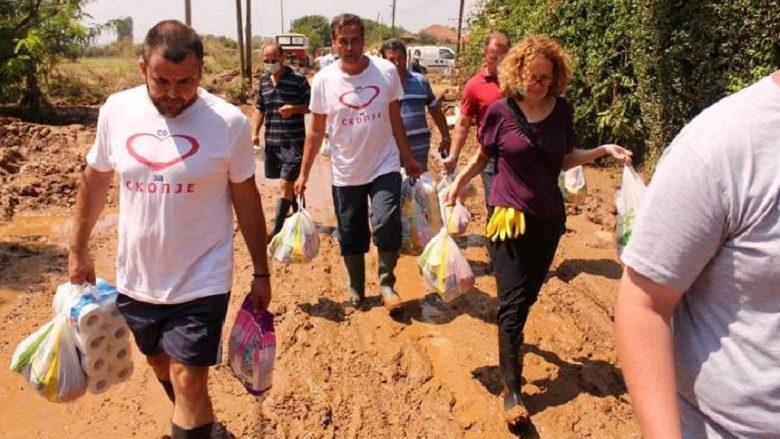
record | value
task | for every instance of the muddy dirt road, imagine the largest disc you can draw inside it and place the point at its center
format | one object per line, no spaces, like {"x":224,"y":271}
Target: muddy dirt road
{"x":428,"y":371}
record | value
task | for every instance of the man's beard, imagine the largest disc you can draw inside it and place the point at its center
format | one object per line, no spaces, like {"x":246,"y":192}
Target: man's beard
{"x":170,"y":107}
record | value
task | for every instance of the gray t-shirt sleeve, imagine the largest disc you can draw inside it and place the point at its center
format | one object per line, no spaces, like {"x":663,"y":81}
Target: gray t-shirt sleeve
{"x":682,"y":223}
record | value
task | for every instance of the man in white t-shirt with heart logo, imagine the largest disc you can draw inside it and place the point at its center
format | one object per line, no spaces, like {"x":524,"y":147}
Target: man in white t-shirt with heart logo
{"x":184,"y":160}
{"x":355,"y":100}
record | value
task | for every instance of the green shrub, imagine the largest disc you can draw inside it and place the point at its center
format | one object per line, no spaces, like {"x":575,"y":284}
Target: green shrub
{"x":643,"y":68}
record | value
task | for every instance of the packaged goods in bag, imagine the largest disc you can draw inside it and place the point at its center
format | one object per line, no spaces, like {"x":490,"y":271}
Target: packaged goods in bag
{"x":572,"y":185}
{"x":76,"y":351}
{"x":467,"y":191}
{"x":298,"y":240}
{"x":418,"y":221}
{"x":252,"y":348}
{"x":457,"y":218}
{"x":22,"y":358}
{"x":444,"y":267}
{"x":54,"y":370}
{"x":628,"y":201}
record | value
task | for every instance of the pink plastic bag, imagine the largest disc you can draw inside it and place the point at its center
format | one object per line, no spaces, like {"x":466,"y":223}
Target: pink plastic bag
{"x":252,"y":348}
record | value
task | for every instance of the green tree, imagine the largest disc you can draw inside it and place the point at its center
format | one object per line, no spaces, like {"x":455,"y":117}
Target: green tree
{"x":642,"y":68}
{"x":123,"y":28}
{"x":315,"y":27}
{"x":34,"y":35}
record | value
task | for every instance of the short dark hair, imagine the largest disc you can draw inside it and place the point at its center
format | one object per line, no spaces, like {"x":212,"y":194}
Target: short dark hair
{"x":392,"y":44}
{"x":494,"y":35}
{"x":175,"y":39}
{"x":345,"y":20}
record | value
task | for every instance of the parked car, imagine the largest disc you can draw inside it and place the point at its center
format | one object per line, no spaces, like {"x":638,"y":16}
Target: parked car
{"x":432,"y":59}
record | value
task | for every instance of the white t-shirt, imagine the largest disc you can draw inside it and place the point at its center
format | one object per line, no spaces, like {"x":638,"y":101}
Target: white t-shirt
{"x":710,"y":226}
{"x":175,"y":212}
{"x":358,"y":120}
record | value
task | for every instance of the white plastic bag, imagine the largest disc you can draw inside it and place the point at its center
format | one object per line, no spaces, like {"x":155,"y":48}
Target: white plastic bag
{"x":83,"y":332}
{"x":444,"y":267}
{"x":457,"y":218}
{"x":54,"y":368}
{"x":572,"y":185}
{"x":628,"y":200}
{"x":298,"y":240}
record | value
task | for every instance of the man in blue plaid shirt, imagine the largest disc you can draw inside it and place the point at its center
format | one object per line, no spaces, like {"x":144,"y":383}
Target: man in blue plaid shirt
{"x":282,"y":102}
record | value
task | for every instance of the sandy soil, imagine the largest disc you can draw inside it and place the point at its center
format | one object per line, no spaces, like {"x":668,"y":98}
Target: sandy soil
{"x":429,"y":370}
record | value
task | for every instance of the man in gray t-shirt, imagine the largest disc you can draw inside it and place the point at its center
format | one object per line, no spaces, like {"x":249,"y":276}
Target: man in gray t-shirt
{"x":698,"y":314}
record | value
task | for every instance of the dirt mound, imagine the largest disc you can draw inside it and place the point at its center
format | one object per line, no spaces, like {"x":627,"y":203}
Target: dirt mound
{"x":40,"y":164}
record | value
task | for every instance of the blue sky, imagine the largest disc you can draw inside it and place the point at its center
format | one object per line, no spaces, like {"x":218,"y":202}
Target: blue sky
{"x":218,"y":16}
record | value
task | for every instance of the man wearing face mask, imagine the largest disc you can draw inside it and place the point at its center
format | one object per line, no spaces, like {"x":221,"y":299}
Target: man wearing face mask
{"x":184,"y":162}
{"x":282,"y":102}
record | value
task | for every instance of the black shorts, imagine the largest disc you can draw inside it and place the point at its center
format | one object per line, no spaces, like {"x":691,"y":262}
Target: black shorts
{"x":283,"y":162}
{"x":189,"y":332}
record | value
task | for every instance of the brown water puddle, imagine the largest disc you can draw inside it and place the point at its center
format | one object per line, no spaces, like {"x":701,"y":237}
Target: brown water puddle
{"x":29,"y":245}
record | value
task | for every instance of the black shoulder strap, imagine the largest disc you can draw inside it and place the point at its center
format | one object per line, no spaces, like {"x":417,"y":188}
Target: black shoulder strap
{"x":523,"y":121}
{"x":526,"y":127}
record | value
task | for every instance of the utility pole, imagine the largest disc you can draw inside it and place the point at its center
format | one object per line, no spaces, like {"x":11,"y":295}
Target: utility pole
{"x":240,"y":34}
{"x":281,"y":9}
{"x":188,"y":12}
{"x":460,"y":26}
{"x":248,"y":40}
{"x":393,"y":20}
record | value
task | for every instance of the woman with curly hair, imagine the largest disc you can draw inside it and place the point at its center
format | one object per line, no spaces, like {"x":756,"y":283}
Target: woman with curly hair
{"x":531,"y":132}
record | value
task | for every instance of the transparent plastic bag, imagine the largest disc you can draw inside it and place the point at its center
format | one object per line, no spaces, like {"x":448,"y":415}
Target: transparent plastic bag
{"x":572,"y":185}
{"x":54,"y":368}
{"x":628,"y":201}
{"x":298,"y":240}
{"x":419,"y":215}
{"x":444,"y":267}
{"x":467,"y":191}
{"x":252,"y":348}
{"x":457,"y":218}
{"x":25,"y":350}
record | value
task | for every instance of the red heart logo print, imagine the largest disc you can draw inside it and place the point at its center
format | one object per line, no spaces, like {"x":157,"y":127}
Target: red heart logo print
{"x":359,"y":98}
{"x":155,"y":165}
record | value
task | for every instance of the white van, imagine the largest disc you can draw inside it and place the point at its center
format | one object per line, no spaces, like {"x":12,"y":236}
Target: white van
{"x":433,"y":59}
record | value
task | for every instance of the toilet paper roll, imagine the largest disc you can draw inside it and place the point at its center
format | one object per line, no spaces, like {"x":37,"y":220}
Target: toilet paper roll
{"x":120,"y":354}
{"x":91,"y":345}
{"x":85,"y":314}
{"x":95,"y":367}
{"x":121,"y":372}
{"x":98,"y":385}
{"x":118,"y":334}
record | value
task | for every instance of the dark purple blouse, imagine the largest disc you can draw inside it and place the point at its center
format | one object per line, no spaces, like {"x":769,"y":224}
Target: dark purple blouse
{"x":526,"y":175}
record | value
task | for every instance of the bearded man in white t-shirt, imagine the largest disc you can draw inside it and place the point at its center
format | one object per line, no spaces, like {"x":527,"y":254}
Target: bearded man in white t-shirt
{"x":355,"y":100}
{"x":183,"y":158}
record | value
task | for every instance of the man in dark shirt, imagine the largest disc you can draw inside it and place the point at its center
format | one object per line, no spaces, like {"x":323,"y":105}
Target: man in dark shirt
{"x":282,"y":101}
